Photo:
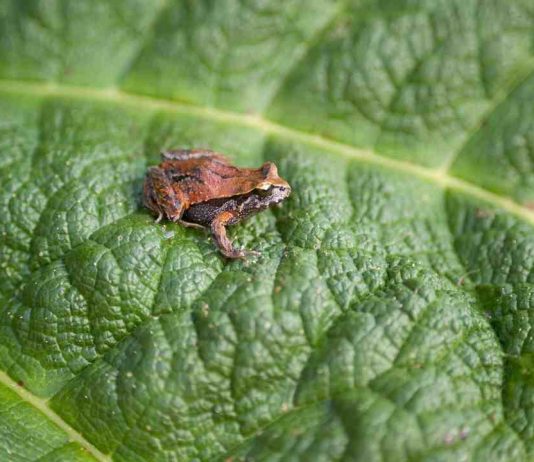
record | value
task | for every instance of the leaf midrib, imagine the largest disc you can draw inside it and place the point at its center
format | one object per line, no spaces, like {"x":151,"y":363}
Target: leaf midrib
{"x":42,"y":406}
{"x":438,"y":176}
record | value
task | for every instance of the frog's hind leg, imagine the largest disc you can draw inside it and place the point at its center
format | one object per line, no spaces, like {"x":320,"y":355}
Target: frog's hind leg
{"x":218,"y":231}
{"x":161,"y":197}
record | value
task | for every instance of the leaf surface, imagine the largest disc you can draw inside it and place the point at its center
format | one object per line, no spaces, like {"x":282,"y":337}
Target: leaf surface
{"x":389,"y":317}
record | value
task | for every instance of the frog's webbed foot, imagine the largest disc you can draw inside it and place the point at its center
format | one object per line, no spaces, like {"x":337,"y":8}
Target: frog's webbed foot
{"x":218,"y":230}
{"x":239,"y":253}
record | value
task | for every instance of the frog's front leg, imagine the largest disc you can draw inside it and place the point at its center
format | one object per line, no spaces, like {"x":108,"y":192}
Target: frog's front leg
{"x":160,"y":196}
{"x":188,"y":224}
{"x":218,"y":230}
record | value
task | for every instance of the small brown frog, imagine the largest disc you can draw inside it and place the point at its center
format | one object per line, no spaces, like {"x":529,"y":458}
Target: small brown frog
{"x":200,"y":188}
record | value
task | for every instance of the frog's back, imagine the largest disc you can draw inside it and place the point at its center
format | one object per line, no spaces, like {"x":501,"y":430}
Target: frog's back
{"x":211,"y":177}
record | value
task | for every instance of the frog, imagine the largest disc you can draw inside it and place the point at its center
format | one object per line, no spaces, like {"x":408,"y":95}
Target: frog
{"x":201,"y":188}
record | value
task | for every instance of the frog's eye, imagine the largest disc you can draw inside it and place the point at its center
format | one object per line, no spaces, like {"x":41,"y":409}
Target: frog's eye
{"x":264,"y":190}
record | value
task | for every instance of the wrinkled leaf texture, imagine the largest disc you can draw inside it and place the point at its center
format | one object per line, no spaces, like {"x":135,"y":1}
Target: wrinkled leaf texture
{"x":390,"y":316}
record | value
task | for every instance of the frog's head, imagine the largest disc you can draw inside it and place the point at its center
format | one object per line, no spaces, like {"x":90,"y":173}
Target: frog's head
{"x":273,"y":188}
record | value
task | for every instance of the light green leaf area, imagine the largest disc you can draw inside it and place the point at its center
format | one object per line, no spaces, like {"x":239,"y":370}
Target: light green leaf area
{"x":27,"y":434}
{"x":390,"y":315}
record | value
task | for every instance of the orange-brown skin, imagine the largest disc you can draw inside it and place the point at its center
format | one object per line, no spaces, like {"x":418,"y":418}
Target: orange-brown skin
{"x":201,"y":188}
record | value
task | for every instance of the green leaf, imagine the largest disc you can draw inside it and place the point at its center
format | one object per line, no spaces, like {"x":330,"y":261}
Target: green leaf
{"x":390,"y":316}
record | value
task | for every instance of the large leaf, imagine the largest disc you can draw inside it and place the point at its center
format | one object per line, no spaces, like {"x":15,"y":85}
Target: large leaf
{"x":390,"y":316}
